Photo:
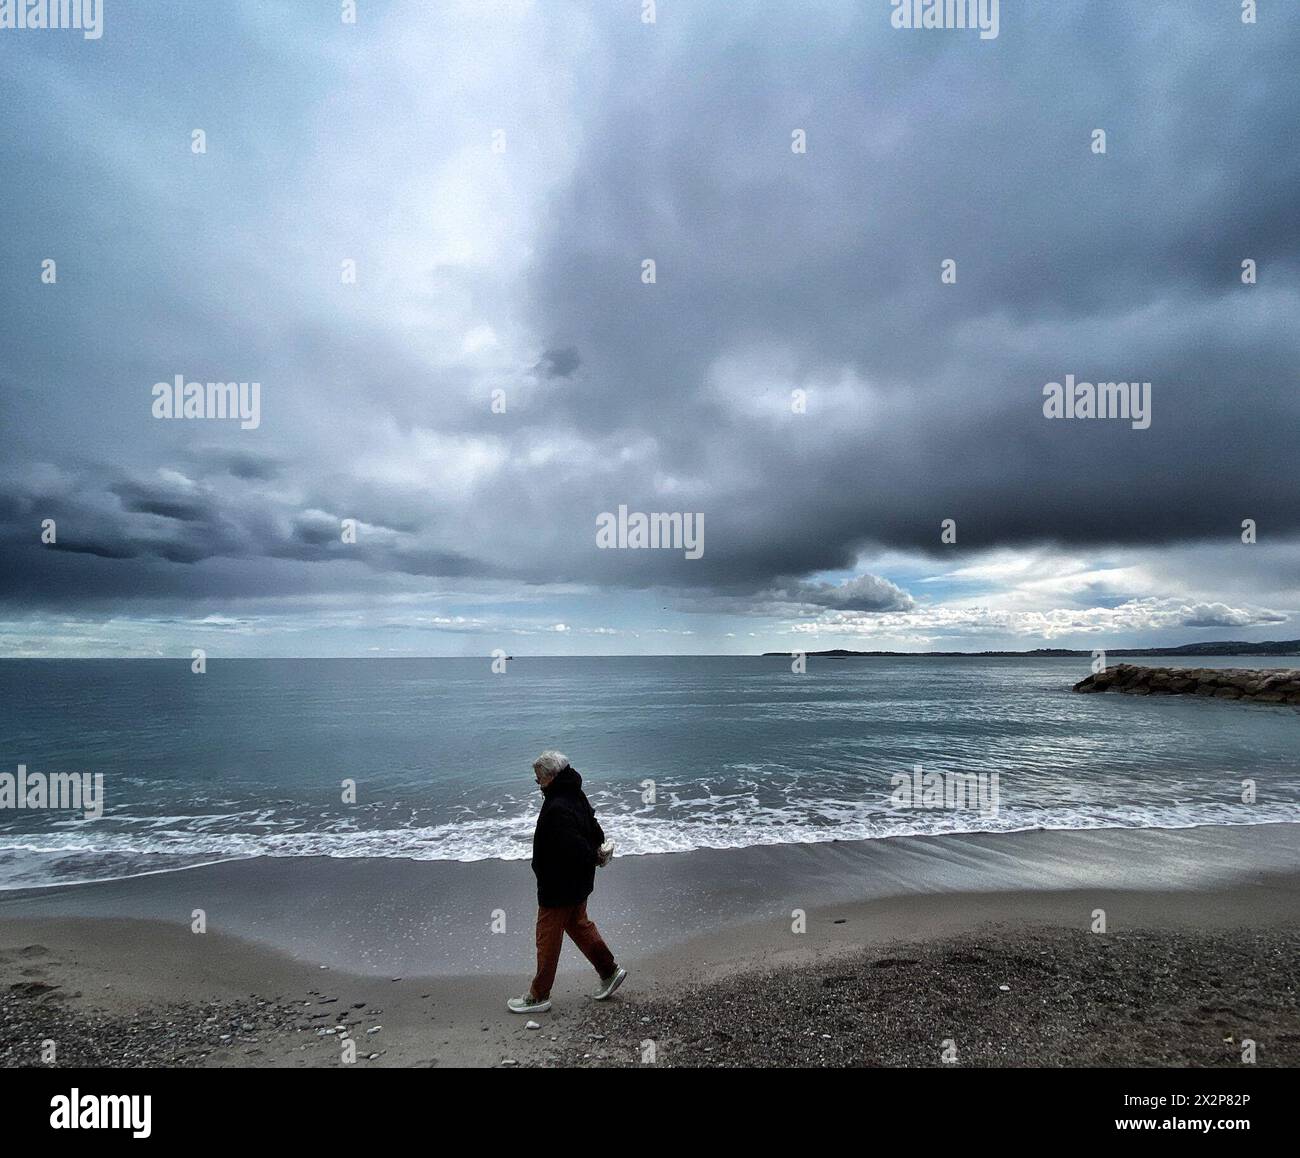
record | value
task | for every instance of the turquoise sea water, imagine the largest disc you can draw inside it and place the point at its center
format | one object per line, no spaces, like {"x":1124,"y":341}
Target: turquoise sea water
{"x":250,"y":758}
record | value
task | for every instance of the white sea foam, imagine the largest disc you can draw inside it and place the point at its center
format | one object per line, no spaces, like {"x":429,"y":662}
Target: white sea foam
{"x":66,"y":856}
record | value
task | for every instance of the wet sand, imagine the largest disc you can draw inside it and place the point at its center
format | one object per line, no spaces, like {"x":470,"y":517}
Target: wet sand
{"x":1200,"y":940}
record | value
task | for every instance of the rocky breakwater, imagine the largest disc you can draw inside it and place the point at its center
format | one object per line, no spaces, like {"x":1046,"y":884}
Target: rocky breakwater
{"x":1278,"y":685}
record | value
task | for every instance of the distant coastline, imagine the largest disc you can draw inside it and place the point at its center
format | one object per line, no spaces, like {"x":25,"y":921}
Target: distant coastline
{"x":1284,"y":647}
{"x":1223,"y":647}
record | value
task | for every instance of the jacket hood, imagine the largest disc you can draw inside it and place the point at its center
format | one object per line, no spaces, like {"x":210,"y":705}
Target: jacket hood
{"x":566,"y":780}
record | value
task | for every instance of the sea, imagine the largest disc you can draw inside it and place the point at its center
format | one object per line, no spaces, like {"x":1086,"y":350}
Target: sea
{"x":431,"y":759}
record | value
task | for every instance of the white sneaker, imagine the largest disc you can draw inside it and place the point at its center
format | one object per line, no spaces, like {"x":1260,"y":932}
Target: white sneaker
{"x":526,"y":1004}
{"x":609,"y":984}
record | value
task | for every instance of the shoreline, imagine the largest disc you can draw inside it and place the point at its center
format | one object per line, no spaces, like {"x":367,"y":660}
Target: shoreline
{"x":216,"y":859}
{"x":397,"y":916}
{"x":194,"y":861}
{"x":114,"y":972}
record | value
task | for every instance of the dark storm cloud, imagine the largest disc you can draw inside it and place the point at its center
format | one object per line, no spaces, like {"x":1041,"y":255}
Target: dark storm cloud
{"x":559,"y":363}
{"x":143,"y":524}
{"x":101,"y":550}
{"x":774,"y":271}
{"x":240,"y":464}
{"x":861,"y":593}
{"x":796,"y":598}
{"x":168,"y":501}
{"x":316,"y":529}
{"x":1108,"y":267}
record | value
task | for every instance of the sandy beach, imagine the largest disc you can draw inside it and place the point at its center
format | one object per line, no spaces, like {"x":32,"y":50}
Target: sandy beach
{"x":906,"y":943}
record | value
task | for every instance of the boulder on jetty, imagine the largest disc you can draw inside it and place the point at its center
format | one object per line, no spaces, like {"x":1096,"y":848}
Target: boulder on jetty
{"x":1278,"y":685}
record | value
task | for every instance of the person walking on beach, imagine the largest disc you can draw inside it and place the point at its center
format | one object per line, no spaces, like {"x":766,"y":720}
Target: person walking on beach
{"x":568,"y":845}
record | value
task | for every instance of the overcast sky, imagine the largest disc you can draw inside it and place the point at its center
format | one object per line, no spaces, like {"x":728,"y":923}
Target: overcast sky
{"x":499,"y":172}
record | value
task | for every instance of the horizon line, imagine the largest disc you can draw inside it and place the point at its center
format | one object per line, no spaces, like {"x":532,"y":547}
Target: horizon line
{"x":824,"y":653}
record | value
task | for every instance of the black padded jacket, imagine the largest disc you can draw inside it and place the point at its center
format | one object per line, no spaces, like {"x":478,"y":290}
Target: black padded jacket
{"x":565,"y":843}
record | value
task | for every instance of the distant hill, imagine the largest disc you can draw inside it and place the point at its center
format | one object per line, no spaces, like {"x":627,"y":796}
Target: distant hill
{"x":1221,"y":647}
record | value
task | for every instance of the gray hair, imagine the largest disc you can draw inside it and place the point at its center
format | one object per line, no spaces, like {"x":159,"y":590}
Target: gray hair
{"x":551,"y":763}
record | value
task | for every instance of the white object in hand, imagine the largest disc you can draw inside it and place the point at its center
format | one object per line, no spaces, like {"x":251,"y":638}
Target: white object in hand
{"x":605,"y":853}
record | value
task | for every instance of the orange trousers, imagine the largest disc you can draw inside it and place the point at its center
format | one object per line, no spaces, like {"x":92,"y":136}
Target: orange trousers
{"x":552,"y":924}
